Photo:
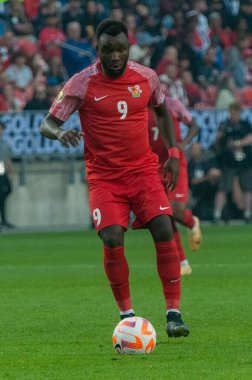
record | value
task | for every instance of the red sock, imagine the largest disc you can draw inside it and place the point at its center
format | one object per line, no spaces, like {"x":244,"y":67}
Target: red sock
{"x":117,"y":270}
{"x":169,"y":272}
{"x":180,"y":248}
{"x":188,"y":220}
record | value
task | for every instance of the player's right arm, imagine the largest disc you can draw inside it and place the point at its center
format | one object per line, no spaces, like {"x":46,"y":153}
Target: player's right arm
{"x":68,"y":100}
{"x":171,"y":166}
{"x":51,"y":128}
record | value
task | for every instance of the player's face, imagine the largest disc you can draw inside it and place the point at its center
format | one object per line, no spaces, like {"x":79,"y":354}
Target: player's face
{"x":235,"y":115}
{"x":114,"y":54}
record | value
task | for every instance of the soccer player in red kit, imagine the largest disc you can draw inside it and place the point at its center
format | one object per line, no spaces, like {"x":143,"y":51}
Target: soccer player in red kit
{"x":111,"y":97}
{"x":179,"y":196}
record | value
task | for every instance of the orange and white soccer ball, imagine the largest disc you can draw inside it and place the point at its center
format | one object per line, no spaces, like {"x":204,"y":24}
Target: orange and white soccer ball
{"x":134,"y":335}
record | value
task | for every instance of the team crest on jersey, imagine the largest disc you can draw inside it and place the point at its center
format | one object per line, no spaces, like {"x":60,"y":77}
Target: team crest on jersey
{"x":135,"y":91}
{"x":60,"y":97}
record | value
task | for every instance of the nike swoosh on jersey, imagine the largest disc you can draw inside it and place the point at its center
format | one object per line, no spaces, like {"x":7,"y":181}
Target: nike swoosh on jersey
{"x":102,"y":97}
{"x":163,"y":208}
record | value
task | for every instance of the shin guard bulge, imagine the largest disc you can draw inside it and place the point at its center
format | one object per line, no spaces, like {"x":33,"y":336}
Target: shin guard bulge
{"x":117,"y":271}
{"x":168,"y":267}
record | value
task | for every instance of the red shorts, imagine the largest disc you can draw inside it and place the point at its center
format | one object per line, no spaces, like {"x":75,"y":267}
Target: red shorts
{"x":180,"y":194}
{"x":111,"y":201}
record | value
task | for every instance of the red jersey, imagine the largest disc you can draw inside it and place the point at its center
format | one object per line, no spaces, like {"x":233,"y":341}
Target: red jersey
{"x":179,"y":114}
{"x":114,"y":118}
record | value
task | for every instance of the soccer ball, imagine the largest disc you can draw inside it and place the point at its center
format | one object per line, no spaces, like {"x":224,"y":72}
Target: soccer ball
{"x":134,"y":335}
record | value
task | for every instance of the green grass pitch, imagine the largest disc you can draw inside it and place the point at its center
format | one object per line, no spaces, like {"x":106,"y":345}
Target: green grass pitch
{"x":57,"y":313}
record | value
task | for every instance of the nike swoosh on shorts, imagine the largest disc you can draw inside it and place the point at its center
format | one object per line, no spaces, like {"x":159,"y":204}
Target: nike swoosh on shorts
{"x":179,"y":195}
{"x":163,"y":208}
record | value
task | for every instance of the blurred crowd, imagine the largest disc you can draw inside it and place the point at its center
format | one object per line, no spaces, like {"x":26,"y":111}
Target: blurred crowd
{"x":201,"y":49}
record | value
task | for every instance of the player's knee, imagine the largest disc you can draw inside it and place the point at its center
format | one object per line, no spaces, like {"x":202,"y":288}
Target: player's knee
{"x":178,"y":209}
{"x":112,"y":241}
{"x":112,"y":237}
{"x":179,"y":215}
{"x":164,"y":234}
{"x":162,"y":231}
{"x":214,"y":175}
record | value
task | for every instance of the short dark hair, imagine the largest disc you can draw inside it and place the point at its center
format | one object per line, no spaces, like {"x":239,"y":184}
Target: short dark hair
{"x":111,"y":27}
{"x":235,"y":106}
{"x":17,"y":55}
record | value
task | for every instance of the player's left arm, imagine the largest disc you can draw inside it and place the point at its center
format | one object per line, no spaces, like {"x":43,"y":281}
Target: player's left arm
{"x":185,"y":116}
{"x":193,"y":130}
{"x":245,"y":141}
{"x":166,"y":127}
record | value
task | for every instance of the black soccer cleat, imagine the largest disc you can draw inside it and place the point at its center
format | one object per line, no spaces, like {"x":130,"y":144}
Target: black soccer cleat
{"x":123,"y":316}
{"x":175,"y":326}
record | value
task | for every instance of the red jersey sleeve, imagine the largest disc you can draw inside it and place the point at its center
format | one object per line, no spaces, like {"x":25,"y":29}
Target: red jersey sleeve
{"x":68,"y":100}
{"x":178,"y":110}
{"x":157,"y":95}
{"x":73,"y":94}
{"x":184,"y":115}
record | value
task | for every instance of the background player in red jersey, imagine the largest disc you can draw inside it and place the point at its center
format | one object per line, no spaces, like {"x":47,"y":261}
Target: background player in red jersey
{"x":179,"y":196}
{"x":112,"y":98}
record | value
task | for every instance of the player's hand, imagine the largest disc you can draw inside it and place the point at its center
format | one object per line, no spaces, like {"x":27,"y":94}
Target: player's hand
{"x":69,"y":138}
{"x":171,"y":170}
{"x":236,"y":144}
